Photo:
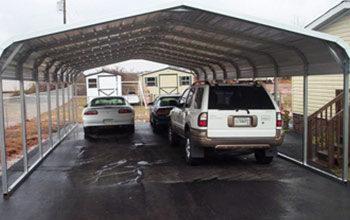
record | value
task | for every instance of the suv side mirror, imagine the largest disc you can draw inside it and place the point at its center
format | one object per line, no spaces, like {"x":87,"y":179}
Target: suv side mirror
{"x":180,"y":105}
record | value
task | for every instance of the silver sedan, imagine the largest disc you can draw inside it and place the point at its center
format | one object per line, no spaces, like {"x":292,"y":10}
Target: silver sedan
{"x":112,"y":111}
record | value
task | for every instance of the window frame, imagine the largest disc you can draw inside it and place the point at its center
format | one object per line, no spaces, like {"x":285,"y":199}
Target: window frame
{"x":155,"y":81}
{"x":181,"y":80}
{"x":92,"y":83}
{"x":198,"y":100}
{"x":190,"y":97}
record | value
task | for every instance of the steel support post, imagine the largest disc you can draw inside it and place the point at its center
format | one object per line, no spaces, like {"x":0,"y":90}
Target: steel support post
{"x":346,"y":122}
{"x":68,"y":103}
{"x":58,"y":109}
{"x":49,"y":113}
{"x":63,"y":106}
{"x":76,"y":102}
{"x":24,"y":124}
{"x":72,"y":102}
{"x":38,"y":116}
{"x":305,"y":112}
{"x":275,"y":90}
{"x":3,"y":143}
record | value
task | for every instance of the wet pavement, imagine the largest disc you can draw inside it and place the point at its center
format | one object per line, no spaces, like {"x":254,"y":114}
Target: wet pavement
{"x":140,"y":176}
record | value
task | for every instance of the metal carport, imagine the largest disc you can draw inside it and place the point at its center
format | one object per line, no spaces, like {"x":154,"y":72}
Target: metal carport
{"x":213,"y":43}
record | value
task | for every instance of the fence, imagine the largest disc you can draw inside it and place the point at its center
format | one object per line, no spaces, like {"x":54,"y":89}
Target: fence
{"x":48,"y":115}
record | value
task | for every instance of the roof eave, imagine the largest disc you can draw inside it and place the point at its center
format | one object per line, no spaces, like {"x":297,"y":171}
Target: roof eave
{"x":329,"y":16}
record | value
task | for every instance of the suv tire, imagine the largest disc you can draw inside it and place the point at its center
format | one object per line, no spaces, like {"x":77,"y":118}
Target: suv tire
{"x":173,"y":138}
{"x":188,"y":148}
{"x":261,"y":157}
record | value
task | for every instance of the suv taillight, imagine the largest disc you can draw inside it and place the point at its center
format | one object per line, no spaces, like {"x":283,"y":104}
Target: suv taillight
{"x":203,"y":119}
{"x":163,"y":112}
{"x":124,"y":111}
{"x":278,"y":120}
{"x":91,"y":112}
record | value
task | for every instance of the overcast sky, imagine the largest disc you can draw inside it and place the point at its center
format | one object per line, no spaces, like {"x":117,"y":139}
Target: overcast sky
{"x":18,"y":17}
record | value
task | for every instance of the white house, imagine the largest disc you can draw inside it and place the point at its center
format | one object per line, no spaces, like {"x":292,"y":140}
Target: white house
{"x":103,"y":84}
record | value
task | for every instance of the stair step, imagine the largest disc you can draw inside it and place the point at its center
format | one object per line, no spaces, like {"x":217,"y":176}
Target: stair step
{"x":320,"y":162}
{"x":336,"y":145}
{"x":323,"y":155}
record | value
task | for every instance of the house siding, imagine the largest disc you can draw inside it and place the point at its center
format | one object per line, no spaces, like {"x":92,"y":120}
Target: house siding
{"x":321,"y":88}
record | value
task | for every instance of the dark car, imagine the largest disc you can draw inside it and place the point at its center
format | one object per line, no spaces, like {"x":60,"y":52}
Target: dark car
{"x":160,"y":109}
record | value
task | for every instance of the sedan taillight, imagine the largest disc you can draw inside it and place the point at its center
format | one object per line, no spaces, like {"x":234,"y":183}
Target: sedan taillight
{"x":91,"y":112}
{"x":161,"y":112}
{"x":203,"y":119}
{"x":124,"y":111}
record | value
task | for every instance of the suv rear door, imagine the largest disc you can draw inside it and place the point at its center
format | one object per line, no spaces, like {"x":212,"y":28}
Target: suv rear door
{"x":240,"y":111}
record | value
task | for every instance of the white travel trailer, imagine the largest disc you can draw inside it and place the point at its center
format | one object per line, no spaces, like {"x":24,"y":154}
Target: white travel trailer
{"x":103,"y":84}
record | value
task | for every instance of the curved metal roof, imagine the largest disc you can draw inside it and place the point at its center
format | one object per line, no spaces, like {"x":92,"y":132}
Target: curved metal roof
{"x":212,"y":43}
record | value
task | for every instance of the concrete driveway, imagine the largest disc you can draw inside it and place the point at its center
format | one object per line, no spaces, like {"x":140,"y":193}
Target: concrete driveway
{"x":140,"y":176}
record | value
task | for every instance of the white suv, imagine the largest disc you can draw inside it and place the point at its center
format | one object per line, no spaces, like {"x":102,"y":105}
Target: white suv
{"x":227,"y":116}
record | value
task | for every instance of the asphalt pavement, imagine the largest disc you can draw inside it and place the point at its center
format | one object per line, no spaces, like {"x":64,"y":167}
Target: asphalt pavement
{"x":116,"y":175}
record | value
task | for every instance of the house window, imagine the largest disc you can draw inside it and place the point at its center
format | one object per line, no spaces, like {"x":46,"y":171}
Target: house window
{"x":185,"y":80}
{"x":151,"y":81}
{"x":92,"y":83}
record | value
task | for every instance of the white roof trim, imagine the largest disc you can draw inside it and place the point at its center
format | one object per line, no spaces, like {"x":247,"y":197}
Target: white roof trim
{"x":328,"y":17}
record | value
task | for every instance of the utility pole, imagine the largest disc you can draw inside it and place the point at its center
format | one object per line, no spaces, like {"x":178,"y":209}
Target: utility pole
{"x":62,"y":7}
{"x":64,"y":12}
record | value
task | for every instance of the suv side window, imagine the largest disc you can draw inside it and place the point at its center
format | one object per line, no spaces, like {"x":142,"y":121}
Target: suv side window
{"x":183,"y":98}
{"x":190,"y":97}
{"x":198,"y":98}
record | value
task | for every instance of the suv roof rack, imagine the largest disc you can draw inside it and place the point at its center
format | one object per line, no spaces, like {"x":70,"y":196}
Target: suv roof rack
{"x":215,"y":82}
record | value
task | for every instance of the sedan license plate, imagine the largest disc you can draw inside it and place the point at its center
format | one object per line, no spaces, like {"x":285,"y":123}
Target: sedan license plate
{"x":242,"y":121}
{"x":107,"y":121}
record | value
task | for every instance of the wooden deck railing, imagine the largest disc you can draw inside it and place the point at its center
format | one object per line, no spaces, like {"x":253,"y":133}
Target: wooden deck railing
{"x":325,"y":133}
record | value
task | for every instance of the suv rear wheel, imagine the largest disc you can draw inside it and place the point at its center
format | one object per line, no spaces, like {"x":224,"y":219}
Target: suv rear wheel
{"x":190,"y":160}
{"x":173,"y":138}
{"x":260,"y":157}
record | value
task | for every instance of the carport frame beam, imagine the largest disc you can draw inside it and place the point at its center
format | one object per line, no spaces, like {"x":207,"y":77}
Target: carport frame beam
{"x":3,"y":142}
{"x":305,"y":115}
{"x":24,"y":122}
{"x":38,"y":116}
{"x":346,"y":121}
{"x":58,"y":108}
{"x":49,"y":111}
{"x":63,"y":103}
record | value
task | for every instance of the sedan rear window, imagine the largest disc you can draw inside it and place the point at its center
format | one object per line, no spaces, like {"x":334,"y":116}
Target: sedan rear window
{"x":168,"y":101}
{"x":239,"y":97}
{"x":108,"y":101}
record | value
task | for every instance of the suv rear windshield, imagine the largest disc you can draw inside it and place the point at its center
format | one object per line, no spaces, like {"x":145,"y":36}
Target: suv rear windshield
{"x":239,"y":97}
{"x":108,"y":101}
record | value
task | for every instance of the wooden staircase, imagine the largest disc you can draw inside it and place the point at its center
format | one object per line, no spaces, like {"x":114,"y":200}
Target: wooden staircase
{"x":325,"y":134}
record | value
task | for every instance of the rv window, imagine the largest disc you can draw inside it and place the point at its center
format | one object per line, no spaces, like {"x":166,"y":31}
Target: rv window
{"x":185,"y":80}
{"x":151,"y":81}
{"x":92,"y":83}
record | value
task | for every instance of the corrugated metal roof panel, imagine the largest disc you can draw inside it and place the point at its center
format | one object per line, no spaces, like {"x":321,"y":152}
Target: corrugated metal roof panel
{"x":189,"y":36}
